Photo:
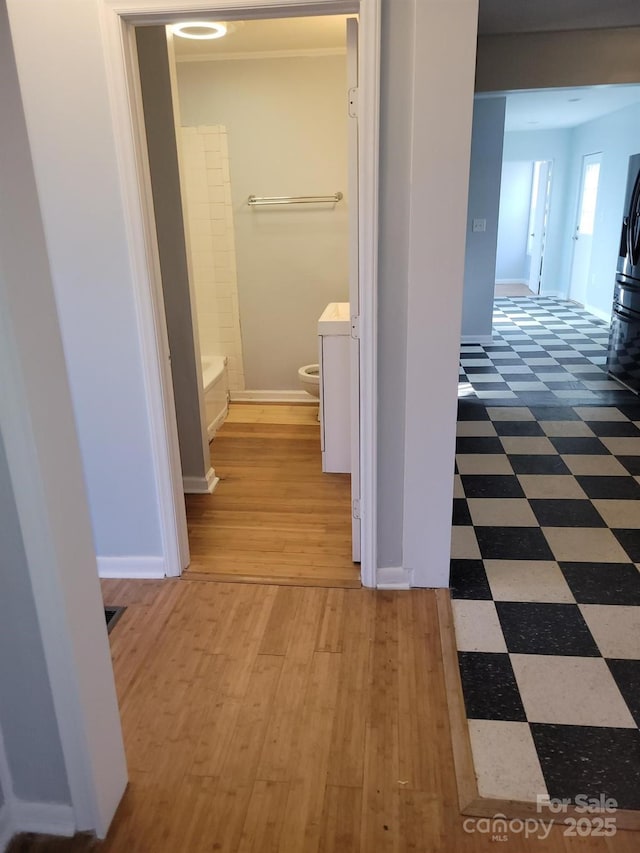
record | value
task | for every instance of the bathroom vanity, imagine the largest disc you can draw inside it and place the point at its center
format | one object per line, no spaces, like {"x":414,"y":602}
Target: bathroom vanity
{"x":334,"y":336}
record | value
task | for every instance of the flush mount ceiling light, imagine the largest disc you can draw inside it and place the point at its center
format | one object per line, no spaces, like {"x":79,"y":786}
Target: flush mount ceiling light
{"x":199,"y":30}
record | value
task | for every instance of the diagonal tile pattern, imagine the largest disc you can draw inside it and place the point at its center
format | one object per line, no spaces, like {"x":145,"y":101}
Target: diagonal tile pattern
{"x":545,"y":580}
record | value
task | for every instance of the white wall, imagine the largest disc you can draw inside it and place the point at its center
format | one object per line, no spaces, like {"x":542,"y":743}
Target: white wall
{"x":617,"y":136}
{"x":512,"y":261}
{"x":445,"y":38}
{"x":287,"y":135}
{"x":551,"y":145}
{"x":484,"y":201}
{"x":69,"y":122}
{"x":50,"y":590}
{"x":547,"y":59}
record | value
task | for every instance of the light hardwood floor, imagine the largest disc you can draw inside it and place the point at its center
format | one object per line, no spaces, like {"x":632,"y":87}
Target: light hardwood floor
{"x":291,"y":719}
{"x":274,"y":517}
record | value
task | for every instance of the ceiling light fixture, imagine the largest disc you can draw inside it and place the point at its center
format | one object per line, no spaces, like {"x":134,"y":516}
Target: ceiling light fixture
{"x":206,"y":28}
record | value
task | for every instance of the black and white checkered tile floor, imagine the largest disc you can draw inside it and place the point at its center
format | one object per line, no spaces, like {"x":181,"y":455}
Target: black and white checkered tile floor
{"x":545,"y":569}
{"x":543,"y":351}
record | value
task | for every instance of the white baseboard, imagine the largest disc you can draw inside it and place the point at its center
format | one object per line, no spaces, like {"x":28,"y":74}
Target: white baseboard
{"x":393,"y":577}
{"x":275,"y":396}
{"x":512,"y":281}
{"x":131,"y":567}
{"x":200,"y":485}
{"x":7,"y":829}
{"x":555,"y":294}
{"x":476,"y":339}
{"x":41,"y":818}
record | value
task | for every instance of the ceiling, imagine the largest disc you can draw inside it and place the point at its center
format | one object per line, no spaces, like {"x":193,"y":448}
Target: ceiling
{"x":522,"y":16}
{"x":557,"y":108}
{"x":280,"y":34}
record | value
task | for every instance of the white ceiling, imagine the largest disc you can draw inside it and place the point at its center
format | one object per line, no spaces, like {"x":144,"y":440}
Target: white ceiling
{"x":521,"y":16}
{"x":557,"y":108}
{"x":279,"y":34}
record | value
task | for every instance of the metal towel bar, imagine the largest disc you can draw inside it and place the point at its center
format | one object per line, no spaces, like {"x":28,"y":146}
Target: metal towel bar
{"x":255,"y":201}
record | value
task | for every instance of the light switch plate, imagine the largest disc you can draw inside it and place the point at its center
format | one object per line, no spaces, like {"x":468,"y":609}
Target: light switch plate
{"x":479,"y":225}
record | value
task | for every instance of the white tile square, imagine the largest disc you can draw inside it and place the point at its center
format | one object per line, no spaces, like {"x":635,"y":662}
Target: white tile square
{"x":615,"y":628}
{"x":599,"y":413}
{"x":464,"y":545}
{"x":477,"y":626}
{"x":527,"y":580}
{"x":475,"y":428}
{"x":505,"y":761}
{"x":572,"y":691}
{"x":510,"y":413}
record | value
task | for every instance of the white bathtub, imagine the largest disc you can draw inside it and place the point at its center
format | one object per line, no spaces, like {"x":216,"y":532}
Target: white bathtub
{"x":216,"y":392}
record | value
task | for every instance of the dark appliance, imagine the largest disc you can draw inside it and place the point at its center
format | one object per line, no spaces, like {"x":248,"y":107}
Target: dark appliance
{"x":623,"y":356}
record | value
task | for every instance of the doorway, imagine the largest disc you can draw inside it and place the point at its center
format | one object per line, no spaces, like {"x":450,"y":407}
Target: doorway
{"x":538,"y":217}
{"x":362,"y":322}
{"x":583,"y":232}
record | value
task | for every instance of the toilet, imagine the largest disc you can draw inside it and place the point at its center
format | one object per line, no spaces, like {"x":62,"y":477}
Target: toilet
{"x":309,"y":379}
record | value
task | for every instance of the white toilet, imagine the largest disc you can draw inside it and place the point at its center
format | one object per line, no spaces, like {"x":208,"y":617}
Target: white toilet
{"x":309,"y":379}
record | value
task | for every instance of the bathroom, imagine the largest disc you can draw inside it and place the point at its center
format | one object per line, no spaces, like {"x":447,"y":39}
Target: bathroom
{"x":262,"y":112}
{"x":275,"y":125}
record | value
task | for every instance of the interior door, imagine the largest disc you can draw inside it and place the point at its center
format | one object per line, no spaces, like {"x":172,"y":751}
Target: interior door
{"x":538,"y":220}
{"x":354,"y":273}
{"x":585,"y":221}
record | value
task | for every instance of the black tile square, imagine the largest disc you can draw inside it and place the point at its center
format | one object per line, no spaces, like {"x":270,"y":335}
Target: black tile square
{"x":472,"y":410}
{"x":630,"y":541}
{"x":489,"y":687}
{"x":487,"y":369}
{"x":512,"y":543}
{"x":579,"y":446}
{"x":461,"y":514}
{"x":478,"y":444}
{"x":545,"y":629}
{"x":553,"y":413}
{"x":569,"y":385}
{"x":518,"y":428}
{"x":631,"y":463}
{"x":590,"y":760}
{"x":468,"y":579}
{"x":491,"y":486}
{"x":608,"y":488}
{"x":631,"y":410}
{"x":603,"y":583}
{"x":627,"y":676}
{"x":566,"y":513}
{"x":538,"y":464}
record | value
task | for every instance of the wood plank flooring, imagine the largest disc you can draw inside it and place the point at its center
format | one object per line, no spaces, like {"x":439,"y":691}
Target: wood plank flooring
{"x":274,"y":517}
{"x":290,"y":719}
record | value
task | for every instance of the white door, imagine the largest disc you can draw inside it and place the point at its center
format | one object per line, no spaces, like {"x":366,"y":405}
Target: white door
{"x":354,"y":273}
{"x":585,"y":220}
{"x":538,"y":221}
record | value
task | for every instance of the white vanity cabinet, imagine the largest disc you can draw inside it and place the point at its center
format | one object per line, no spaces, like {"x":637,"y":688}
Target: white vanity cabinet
{"x":334,"y":336}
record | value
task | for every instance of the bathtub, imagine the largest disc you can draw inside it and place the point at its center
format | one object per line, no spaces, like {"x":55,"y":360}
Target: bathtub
{"x":216,"y":392}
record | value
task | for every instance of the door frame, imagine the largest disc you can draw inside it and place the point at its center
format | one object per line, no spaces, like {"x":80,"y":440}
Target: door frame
{"x":541,"y":219}
{"x":119,"y":17}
